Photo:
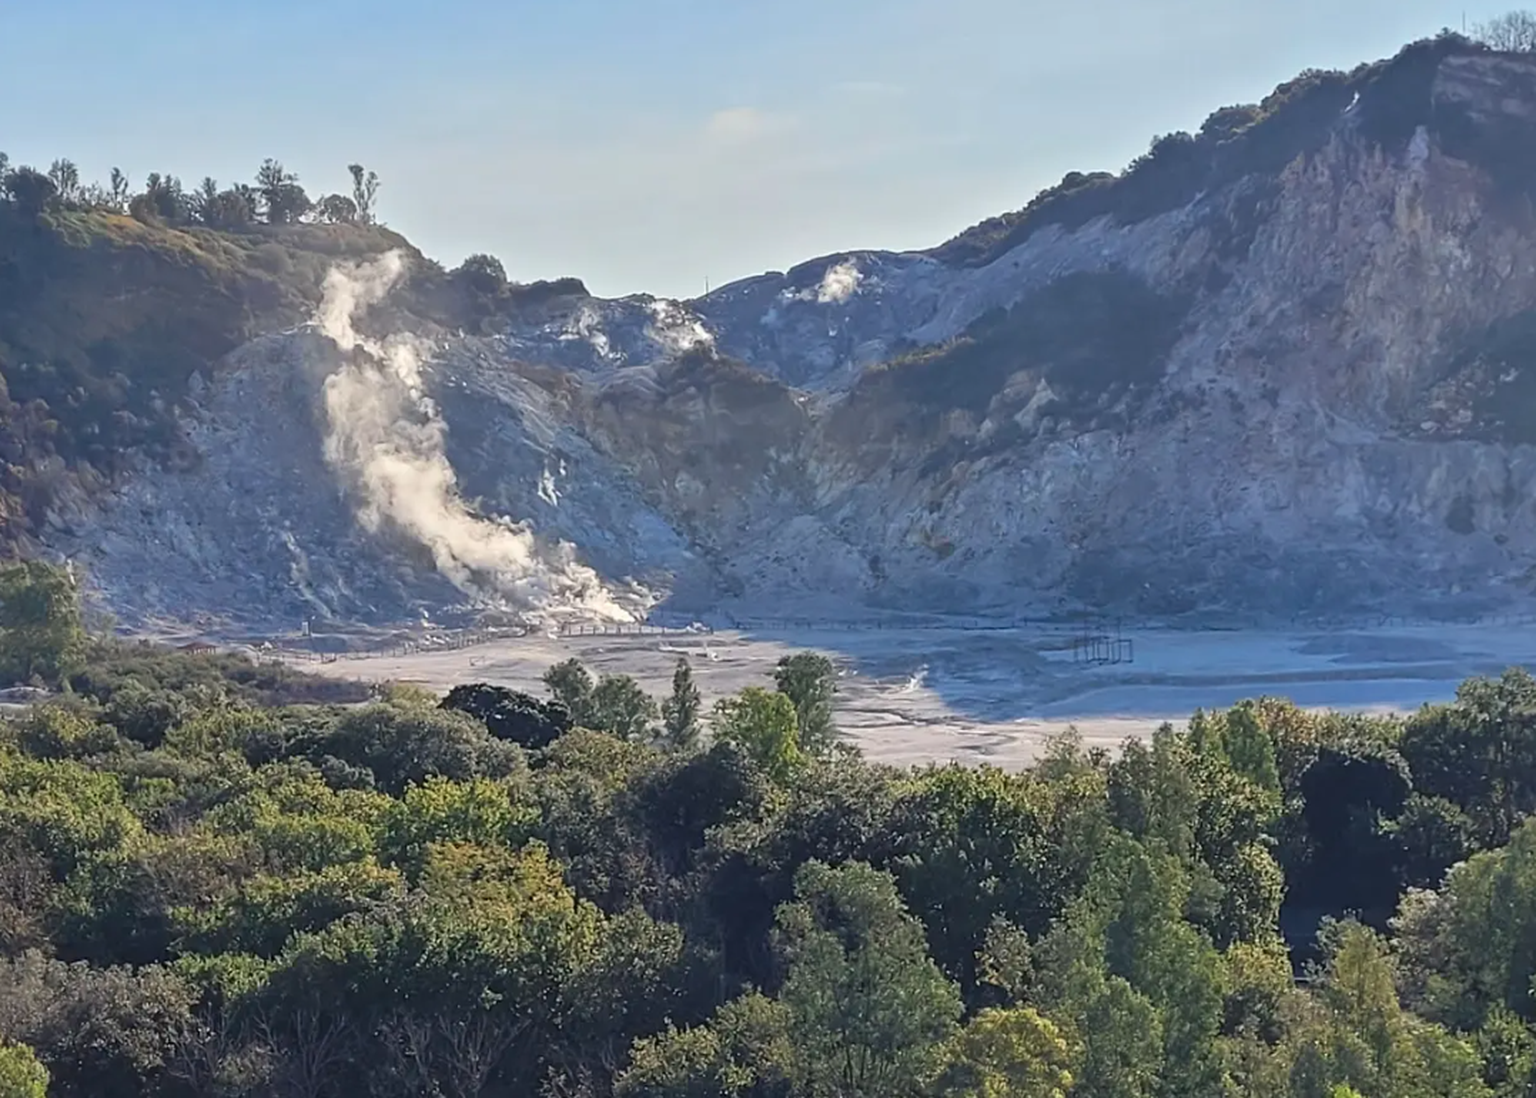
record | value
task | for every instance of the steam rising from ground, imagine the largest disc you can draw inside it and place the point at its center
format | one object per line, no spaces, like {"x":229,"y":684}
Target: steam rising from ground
{"x":387,"y":436}
{"x":839,"y":283}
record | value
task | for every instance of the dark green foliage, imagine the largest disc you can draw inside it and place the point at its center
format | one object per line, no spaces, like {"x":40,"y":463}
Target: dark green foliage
{"x":809,"y":680}
{"x":113,"y":665}
{"x":1499,"y":361}
{"x":1095,"y":339}
{"x":402,"y":747}
{"x":31,"y":190}
{"x":1350,"y":792}
{"x":144,"y":714}
{"x":1295,"y":120}
{"x":682,"y":801}
{"x":571,"y":685}
{"x":622,"y":708}
{"x":1479,"y":753}
{"x":680,"y":711}
{"x":511,"y":715}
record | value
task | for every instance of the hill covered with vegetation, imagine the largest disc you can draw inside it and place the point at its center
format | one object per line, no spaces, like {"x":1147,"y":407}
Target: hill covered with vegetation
{"x":216,"y":881}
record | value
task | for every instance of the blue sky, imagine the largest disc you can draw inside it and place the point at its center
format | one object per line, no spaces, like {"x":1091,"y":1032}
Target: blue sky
{"x":652,"y":145}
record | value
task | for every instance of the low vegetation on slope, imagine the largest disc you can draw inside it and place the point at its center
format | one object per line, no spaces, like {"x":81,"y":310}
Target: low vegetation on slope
{"x":1091,"y":337}
{"x":1078,"y":353}
{"x":494,"y":894}
{"x":1389,"y":99}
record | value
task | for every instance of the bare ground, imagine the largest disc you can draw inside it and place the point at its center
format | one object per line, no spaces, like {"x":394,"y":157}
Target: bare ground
{"x":925,"y":695}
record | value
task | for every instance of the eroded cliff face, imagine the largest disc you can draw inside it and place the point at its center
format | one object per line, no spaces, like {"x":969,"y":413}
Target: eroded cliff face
{"x":1310,"y":388}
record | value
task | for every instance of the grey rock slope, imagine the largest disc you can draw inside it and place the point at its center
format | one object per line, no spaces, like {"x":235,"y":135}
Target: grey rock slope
{"x":1284,"y":365}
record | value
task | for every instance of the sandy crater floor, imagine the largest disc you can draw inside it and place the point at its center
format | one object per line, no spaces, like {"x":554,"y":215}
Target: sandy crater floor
{"x":923,"y":695}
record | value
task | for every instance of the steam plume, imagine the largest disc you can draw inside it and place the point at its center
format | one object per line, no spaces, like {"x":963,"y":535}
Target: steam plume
{"x":386,"y":435}
{"x":839,"y":283}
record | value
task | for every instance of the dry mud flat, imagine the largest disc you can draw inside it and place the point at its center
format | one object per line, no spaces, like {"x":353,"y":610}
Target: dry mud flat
{"x":933,"y":695}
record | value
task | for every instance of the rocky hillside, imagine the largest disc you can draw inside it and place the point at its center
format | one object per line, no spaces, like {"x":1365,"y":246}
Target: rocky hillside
{"x":1283,"y":364}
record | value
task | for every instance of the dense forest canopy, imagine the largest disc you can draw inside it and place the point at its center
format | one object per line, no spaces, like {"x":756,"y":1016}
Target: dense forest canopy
{"x":225,"y":878}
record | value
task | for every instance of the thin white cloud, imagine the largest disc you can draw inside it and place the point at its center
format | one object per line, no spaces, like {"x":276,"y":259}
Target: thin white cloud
{"x":740,"y":124}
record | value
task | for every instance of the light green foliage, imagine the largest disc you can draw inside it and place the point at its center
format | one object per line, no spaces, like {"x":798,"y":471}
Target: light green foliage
{"x":269,"y":910}
{"x":1474,"y":944}
{"x":809,"y":680}
{"x":21,"y":1076}
{"x":868,"y":1007}
{"x":42,"y":631}
{"x":764,"y":725}
{"x":63,"y":732}
{"x":479,"y":812}
{"x":300,"y":823}
{"x":1183,"y":793}
{"x":1129,"y":926}
{"x":1364,"y":1039}
{"x":62,"y":810}
{"x":1007,"y":1053}
{"x":745,"y":1050}
{"x":1249,"y":749}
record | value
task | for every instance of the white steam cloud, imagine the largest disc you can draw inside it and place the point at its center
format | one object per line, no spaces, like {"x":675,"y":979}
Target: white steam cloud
{"x":387,"y":436}
{"x":839,"y":283}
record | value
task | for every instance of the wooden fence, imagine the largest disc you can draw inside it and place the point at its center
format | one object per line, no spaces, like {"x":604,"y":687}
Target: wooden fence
{"x":1082,"y":627}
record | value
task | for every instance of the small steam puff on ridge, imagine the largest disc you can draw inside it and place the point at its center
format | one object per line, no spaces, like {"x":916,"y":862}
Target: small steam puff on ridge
{"x":839,"y":283}
{"x":387,"y":436}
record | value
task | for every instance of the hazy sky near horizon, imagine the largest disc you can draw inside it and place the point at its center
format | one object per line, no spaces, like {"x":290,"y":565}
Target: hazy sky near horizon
{"x":651,"y":146}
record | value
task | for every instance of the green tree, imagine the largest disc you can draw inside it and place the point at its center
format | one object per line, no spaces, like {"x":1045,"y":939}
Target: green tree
{"x":282,"y":199}
{"x":745,"y":1050}
{"x":1129,"y":924}
{"x":118,"y":189}
{"x":365,"y":191}
{"x":1249,"y":748}
{"x":1007,"y":1053}
{"x":680,"y":711}
{"x":1479,"y":752}
{"x":42,"y":630}
{"x":31,"y":190}
{"x":571,"y":685}
{"x":868,"y":1006}
{"x":621,"y":708}
{"x":1474,"y":943}
{"x":163,"y":199}
{"x":510,"y":714}
{"x":763,"y":724}
{"x":21,"y":1076}
{"x":809,"y":680}
{"x":66,"y":180}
